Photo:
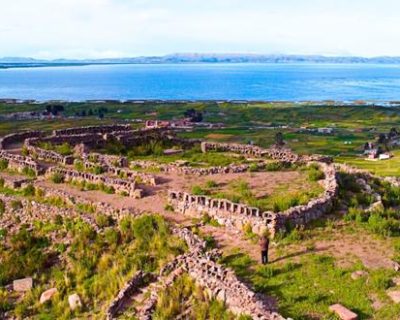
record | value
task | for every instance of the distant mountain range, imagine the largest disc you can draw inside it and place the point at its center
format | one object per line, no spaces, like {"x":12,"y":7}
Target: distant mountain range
{"x":14,"y":62}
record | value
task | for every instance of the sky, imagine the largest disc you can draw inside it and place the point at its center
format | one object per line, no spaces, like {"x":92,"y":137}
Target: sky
{"x":127,"y":28}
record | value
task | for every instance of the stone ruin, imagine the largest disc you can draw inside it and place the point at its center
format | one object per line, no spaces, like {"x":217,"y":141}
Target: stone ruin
{"x":18,"y":137}
{"x":218,"y":282}
{"x":237,"y":215}
{"x":187,"y":170}
{"x":280,"y":154}
{"x":107,"y":165}
{"x":120,"y":185}
{"x":93,"y":130}
{"x":19,"y":162}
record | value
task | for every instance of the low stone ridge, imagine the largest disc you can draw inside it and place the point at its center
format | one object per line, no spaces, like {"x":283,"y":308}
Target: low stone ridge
{"x":237,"y":215}
{"x":343,"y":313}
{"x":119,"y":185}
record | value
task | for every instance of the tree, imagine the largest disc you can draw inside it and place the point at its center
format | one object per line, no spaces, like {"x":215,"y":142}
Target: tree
{"x":279,"y":139}
{"x":194,"y":115}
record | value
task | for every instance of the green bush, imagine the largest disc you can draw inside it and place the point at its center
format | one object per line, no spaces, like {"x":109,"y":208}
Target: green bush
{"x":211,"y":184}
{"x":315,"y":173}
{"x":198,"y":191}
{"x":29,"y":172}
{"x":16,"y":205}
{"x":64,"y":149}
{"x":78,"y":165}
{"x":29,"y":191}
{"x":3,"y":164}
{"x":2,"y":207}
{"x":57,"y":178}
{"x":97,"y":170}
{"x":103,"y":220}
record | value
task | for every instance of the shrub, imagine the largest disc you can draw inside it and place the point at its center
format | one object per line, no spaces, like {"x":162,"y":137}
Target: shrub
{"x":29,"y":190}
{"x":97,"y":170}
{"x":16,"y":205}
{"x":29,"y":172}
{"x":2,"y":207}
{"x":315,"y":173}
{"x":57,"y":178}
{"x":64,"y":149}
{"x":198,"y":191}
{"x":253,"y":167}
{"x":3,"y":164}
{"x":211,"y":184}
{"x":274,"y":166}
{"x":103,"y":220}
{"x":78,"y":165}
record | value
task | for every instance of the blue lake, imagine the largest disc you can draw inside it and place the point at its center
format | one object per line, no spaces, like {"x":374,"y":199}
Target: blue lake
{"x":294,"y":82}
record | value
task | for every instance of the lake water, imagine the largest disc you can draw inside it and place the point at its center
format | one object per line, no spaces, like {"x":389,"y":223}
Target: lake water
{"x":294,"y":82}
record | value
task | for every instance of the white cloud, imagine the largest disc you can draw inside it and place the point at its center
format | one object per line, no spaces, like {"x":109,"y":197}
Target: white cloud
{"x":101,"y":28}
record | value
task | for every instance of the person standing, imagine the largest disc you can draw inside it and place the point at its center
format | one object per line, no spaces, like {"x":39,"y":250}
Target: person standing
{"x":264,"y":246}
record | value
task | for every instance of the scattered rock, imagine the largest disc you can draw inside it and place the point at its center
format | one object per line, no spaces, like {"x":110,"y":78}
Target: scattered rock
{"x":22,"y":285}
{"x":74,"y":301}
{"x":394,"y":295}
{"x":47,"y":295}
{"x":358,"y":274}
{"x":343,"y":312}
{"x":396,"y":281}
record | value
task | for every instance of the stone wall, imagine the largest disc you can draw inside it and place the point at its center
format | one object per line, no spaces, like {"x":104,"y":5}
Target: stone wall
{"x":18,"y":162}
{"x":18,"y":137}
{"x":106,"y":164}
{"x":237,"y":215}
{"x":93,"y":129}
{"x":280,"y":154}
{"x":32,"y":211}
{"x":130,"y":288}
{"x":100,"y":207}
{"x":119,"y":185}
{"x":186,"y":170}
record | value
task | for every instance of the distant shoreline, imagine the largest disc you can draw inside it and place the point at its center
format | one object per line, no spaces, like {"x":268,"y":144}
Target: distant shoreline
{"x":13,"y":101}
{"x":190,"y":58}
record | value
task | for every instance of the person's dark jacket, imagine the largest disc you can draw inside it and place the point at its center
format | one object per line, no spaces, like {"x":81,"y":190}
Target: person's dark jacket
{"x":264,"y":243}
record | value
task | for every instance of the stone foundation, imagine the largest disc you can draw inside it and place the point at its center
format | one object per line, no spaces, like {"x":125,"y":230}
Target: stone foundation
{"x":119,"y":185}
{"x":237,"y":215}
